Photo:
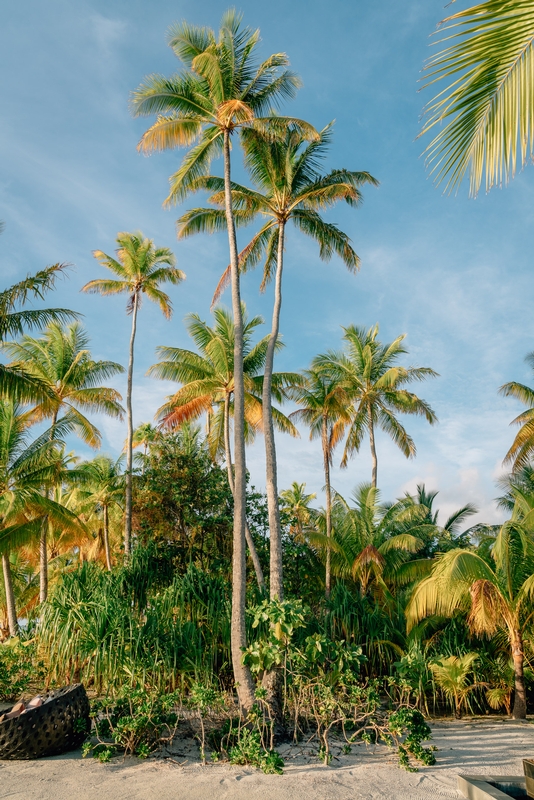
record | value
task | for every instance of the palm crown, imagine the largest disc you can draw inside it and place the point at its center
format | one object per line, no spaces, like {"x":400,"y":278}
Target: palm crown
{"x":61,"y":361}
{"x":208,"y":377}
{"x":285,"y":169}
{"x":224,"y":87}
{"x":375,"y":385}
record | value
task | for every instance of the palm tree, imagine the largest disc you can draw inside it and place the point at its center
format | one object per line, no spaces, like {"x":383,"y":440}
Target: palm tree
{"x":25,"y":469}
{"x":495,"y":589}
{"x":61,"y":362}
{"x":101,"y":485}
{"x":223,"y":88}
{"x":522,"y":448}
{"x":484,"y":113}
{"x":296,"y":503}
{"x":324,"y":409}
{"x":374,"y":385}
{"x":371,"y":540}
{"x":447,"y":536}
{"x":14,"y":320}
{"x":141,"y":268}
{"x":452,"y":676}
{"x":208,"y":386}
{"x":288,"y":187}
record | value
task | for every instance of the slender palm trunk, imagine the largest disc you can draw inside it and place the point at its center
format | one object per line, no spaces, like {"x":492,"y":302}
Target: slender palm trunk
{"x":374,"y":459}
{"x":43,"y":541}
{"x":129,"y":419}
{"x":242,"y":675}
{"x":106,"y":538}
{"x":229,"y":469}
{"x":520,"y":695}
{"x":10,"y":596}
{"x":275,"y":530}
{"x":326,"y":461}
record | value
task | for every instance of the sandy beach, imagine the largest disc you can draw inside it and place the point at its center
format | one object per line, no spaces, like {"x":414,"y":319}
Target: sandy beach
{"x":471,"y":746}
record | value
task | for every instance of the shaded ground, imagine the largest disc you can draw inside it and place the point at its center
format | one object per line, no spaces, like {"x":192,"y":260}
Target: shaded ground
{"x":476,"y":747}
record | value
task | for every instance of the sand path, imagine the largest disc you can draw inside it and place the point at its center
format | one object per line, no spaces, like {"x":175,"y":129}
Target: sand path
{"x":477,"y":747}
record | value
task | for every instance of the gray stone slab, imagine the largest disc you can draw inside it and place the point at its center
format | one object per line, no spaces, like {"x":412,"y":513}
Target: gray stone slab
{"x":492,"y":787}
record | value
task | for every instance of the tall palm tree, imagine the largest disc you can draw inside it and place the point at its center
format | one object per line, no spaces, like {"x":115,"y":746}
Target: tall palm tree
{"x":60,"y":361}
{"x":140,"y":268}
{"x":14,"y":320}
{"x":288,"y":187}
{"x":522,"y":448}
{"x":208,"y":386}
{"x":375,"y":386}
{"x":222,"y":89}
{"x":25,"y":469}
{"x":450,"y":534}
{"x":325,"y":411}
{"x":496,"y":590}
{"x":484,"y":112}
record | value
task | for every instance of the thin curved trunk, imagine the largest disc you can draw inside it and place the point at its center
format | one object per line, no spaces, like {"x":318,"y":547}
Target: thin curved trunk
{"x":129,"y":438}
{"x":374,"y":458}
{"x":520,"y":695}
{"x":10,"y":597}
{"x":276,"y":583}
{"x":328,"y":514}
{"x":106,"y":538}
{"x":242,"y":675}
{"x":230,"y":472}
{"x":43,"y":541}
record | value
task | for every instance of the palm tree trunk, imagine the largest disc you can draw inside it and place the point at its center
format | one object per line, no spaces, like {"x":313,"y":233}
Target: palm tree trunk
{"x":242,"y":675}
{"x":229,"y":469}
{"x":43,"y":541}
{"x":328,"y":515}
{"x":10,"y":597}
{"x":129,"y":420}
{"x":374,"y":459}
{"x":106,"y":538}
{"x":520,"y":695}
{"x":276,"y":583}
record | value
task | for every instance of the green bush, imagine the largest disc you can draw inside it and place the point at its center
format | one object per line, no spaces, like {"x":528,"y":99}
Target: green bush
{"x":19,"y":668}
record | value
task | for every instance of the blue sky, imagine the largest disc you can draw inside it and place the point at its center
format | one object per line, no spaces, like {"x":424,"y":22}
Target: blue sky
{"x":452,"y":273}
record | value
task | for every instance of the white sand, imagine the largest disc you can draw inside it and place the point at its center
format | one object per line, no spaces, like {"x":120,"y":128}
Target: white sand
{"x":472,"y":747}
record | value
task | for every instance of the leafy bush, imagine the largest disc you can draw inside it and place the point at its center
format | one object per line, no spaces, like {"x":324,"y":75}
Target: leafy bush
{"x":137,"y":722}
{"x":19,"y":668}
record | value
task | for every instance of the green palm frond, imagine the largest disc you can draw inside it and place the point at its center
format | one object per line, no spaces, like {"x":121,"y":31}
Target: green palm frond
{"x":486,"y":110}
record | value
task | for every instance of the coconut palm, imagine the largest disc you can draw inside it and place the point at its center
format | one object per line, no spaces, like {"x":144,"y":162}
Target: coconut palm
{"x":296,"y":503}
{"x":522,"y":449}
{"x":324,"y":410}
{"x":101,"y":489}
{"x":450,"y":534}
{"x":208,"y":387}
{"x":288,"y":187}
{"x":61,"y":362}
{"x":375,"y":386}
{"x":495,"y":589}
{"x":371,"y":541}
{"x":484,"y":112}
{"x":223,"y":88}
{"x":14,"y":320}
{"x":141,"y":268}
{"x":26,"y":468}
